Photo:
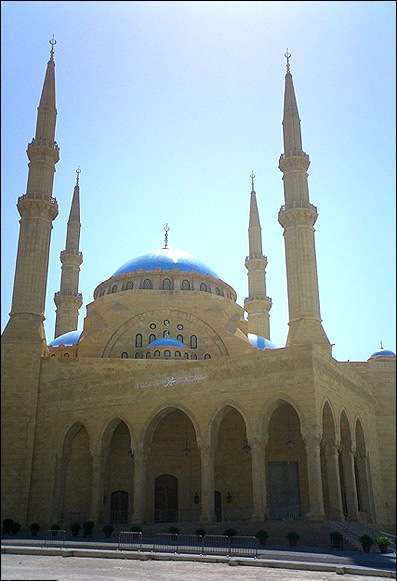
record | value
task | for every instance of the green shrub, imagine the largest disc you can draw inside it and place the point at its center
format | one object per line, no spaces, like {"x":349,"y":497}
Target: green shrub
{"x":383,"y":543}
{"x":55,"y":527}
{"x":262,"y":536}
{"x":201,"y":532}
{"x":15,"y":527}
{"x":7,"y":526}
{"x":174,"y":531}
{"x":230,"y":533}
{"x":136,"y":529}
{"x":75,"y":528}
{"x":336,"y":540}
{"x":108,"y":529}
{"x":293,"y":538}
{"x":366,"y":542}
{"x":88,"y":527}
{"x":34,"y":528}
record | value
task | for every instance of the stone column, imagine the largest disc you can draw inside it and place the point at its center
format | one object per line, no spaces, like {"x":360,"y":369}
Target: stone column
{"x":56,"y":508}
{"x":258,"y":466}
{"x":140,"y":457}
{"x":347,"y":457}
{"x":207,"y":457}
{"x":96,"y":487}
{"x":333,"y":480}
{"x":312,"y":444}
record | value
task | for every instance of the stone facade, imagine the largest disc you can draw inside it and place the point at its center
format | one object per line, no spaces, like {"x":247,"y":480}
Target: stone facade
{"x":110,"y":428}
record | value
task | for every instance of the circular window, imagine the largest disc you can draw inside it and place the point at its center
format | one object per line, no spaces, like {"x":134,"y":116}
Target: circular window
{"x":166,"y":322}
{"x":179,"y":327}
{"x":152,"y":325}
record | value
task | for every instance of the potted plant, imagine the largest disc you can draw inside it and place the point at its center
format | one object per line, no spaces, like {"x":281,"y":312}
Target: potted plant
{"x":201,"y":532}
{"x":262,"y":537}
{"x":136,"y":529}
{"x":75,"y":528}
{"x":293,"y":538}
{"x":55,"y":527}
{"x":108,"y":529}
{"x":7,"y":526}
{"x":336,"y":540}
{"x":88,"y":528}
{"x":366,"y":543}
{"x":34,"y":529}
{"x":383,"y":543}
{"x":230,"y":533}
{"x":15,"y":527}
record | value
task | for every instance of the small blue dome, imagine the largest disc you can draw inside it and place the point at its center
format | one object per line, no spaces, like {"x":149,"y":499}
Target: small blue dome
{"x":66,"y":340}
{"x":167,"y":342}
{"x":382,"y":353}
{"x":166,"y":259}
{"x":260,"y":342}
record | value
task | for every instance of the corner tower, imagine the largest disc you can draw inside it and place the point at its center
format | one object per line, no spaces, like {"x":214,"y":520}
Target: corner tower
{"x":257,"y":304}
{"x":298,"y":217}
{"x":68,"y":300}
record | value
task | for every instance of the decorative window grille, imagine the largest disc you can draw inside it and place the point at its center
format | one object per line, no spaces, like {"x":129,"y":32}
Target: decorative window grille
{"x":138,"y":340}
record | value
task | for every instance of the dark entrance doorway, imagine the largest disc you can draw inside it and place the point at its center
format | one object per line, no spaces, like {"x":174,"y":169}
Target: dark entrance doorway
{"x":166,"y":498}
{"x":284,"y":490}
{"x":119,"y":507}
{"x":218,"y":506}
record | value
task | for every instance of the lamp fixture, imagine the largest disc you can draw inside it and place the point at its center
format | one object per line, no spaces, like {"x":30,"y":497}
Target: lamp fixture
{"x":186,"y":450}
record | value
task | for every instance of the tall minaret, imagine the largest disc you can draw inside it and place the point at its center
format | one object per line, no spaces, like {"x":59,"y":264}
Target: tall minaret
{"x":298,"y":217}
{"x":23,"y":342}
{"x":68,"y":300}
{"x":37,"y":209}
{"x":257,"y":304}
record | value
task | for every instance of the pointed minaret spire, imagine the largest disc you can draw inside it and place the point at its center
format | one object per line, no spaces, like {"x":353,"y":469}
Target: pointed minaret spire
{"x":298,"y":217}
{"x":166,"y":229}
{"x":257,"y":304}
{"x":68,"y":300}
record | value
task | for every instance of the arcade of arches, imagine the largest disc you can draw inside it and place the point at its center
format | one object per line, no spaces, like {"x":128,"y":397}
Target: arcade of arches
{"x":174,"y":475}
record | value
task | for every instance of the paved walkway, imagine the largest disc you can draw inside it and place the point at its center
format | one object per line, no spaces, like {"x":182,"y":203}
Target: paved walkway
{"x":22,"y":567}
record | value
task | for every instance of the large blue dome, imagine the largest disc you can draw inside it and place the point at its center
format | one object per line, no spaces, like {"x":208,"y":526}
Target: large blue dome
{"x":382,"y":353}
{"x":260,"y":342}
{"x":166,"y":259}
{"x":66,"y":340}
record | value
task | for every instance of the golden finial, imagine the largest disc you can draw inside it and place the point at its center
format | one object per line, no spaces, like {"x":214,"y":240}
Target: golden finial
{"x":287,"y":56}
{"x":252,"y":176}
{"x":52,"y":42}
{"x":166,"y":230}
{"x":78,"y":172}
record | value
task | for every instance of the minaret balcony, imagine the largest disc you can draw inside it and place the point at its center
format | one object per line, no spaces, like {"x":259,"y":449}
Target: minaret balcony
{"x":41,"y":205}
{"x":295,"y":160}
{"x":71,"y":257}
{"x":258,"y":303}
{"x":43,"y":148}
{"x":297,"y":214}
{"x":68,"y":297}
{"x":255,"y":262}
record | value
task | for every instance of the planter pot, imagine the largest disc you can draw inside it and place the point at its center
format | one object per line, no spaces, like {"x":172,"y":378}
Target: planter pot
{"x":293,"y":543}
{"x":383,"y":548}
{"x":366,"y":548}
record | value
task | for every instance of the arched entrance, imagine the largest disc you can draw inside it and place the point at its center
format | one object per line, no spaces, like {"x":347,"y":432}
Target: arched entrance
{"x":286,"y":465}
{"x":166,"y":498}
{"x":173,"y":480}
{"x":233,"y":469}
{"x":77,"y":476}
{"x":347,"y":470}
{"x":362,"y":474}
{"x":330,"y":467}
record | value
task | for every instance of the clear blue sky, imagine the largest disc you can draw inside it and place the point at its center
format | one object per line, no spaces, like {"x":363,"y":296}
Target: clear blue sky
{"x":168,"y":106}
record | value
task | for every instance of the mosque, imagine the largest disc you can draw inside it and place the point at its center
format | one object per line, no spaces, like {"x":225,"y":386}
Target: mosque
{"x":173,"y":405}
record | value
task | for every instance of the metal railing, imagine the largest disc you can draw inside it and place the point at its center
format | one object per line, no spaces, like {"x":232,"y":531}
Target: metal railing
{"x":55,"y":538}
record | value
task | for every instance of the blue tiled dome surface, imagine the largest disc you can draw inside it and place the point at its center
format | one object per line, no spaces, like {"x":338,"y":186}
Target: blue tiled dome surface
{"x":166,"y":259}
{"x":260,"y":342}
{"x":382,"y":353}
{"x":66,"y":340}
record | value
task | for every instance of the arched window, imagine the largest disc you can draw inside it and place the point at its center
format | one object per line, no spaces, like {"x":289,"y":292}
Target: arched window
{"x":148,"y":355}
{"x":203,"y":287}
{"x":177,"y":353}
{"x":152,"y":338}
{"x":66,"y":354}
{"x":124,"y":355}
{"x":147,"y":283}
{"x":103,"y":290}
{"x":157,"y":353}
{"x":180,"y":338}
{"x":185,"y":285}
{"x":186,"y":355}
{"x":130,"y":285}
{"x":138,"y":340}
{"x":138,"y":355}
{"x":194,"y":356}
{"x":114,"y":288}
{"x":207,"y":356}
{"x":217,"y":291}
{"x":167,"y":284}
{"x":167,"y":354}
{"x":193,"y":342}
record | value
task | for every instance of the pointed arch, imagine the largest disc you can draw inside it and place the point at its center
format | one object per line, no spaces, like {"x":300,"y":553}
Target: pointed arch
{"x":160,"y":413}
{"x":219,"y":414}
{"x":270,"y":407}
{"x":329,"y":433}
{"x":107,"y":431}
